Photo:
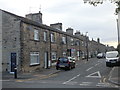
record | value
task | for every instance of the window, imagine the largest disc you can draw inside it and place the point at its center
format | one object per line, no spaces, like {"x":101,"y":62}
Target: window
{"x":36,"y":35}
{"x":54,"y":56}
{"x":82,"y":43}
{"x":34,"y":58}
{"x":45,"y":36}
{"x":64,"y":40}
{"x":64,"y":54}
{"x":78,"y":53}
{"x":77,"y":43}
{"x":52,"y":38}
{"x":72,"y":41}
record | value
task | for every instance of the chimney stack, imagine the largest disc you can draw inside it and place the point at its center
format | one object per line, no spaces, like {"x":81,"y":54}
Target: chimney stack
{"x":98,"y":40}
{"x":57,"y":26}
{"x":37,"y":17}
{"x":69,"y":31}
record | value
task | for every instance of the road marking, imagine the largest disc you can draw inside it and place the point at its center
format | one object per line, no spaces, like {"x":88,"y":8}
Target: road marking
{"x":4,"y":80}
{"x":102,"y":84}
{"x":95,"y":75}
{"x":96,"y":64}
{"x":89,"y":68}
{"x":71,"y":79}
{"x":85,"y":83}
{"x":38,"y":78}
{"x":72,"y":83}
{"x":104,"y":80}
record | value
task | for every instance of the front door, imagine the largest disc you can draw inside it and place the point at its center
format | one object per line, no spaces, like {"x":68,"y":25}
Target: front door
{"x":46,"y":60}
{"x":13,"y":61}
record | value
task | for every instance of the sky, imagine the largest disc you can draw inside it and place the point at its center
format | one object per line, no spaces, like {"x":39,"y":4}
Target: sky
{"x":99,"y":22}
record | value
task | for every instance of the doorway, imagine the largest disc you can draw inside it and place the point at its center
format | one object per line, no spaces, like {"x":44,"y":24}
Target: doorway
{"x":13,"y":61}
{"x":46,"y":60}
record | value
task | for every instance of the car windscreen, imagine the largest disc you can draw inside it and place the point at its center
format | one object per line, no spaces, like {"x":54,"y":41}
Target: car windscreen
{"x":100,"y":54}
{"x":112,"y":55}
{"x":63,"y":60}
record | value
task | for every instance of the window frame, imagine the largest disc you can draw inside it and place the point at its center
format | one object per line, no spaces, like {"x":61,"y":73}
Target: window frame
{"x":36,"y":35}
{"x":45,"y":36}
{"x":34,"y":55}
{"x":72,"y":41}
{"x":55,"y":54}
{"x":64,"y":40}
{"x":52,"y":36}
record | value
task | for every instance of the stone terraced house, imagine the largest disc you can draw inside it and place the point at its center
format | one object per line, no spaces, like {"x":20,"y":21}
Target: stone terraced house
{"x":30,"y":45}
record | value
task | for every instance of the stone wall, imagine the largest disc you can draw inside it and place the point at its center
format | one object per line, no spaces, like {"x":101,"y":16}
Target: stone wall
{"x":30,"y":45}
{"x":0,"y":41}
{"x":11,"y":40}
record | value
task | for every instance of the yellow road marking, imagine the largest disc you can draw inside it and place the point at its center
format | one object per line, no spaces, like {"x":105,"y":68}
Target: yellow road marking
{"x":104,"y":80}
{"x":38,"y":78}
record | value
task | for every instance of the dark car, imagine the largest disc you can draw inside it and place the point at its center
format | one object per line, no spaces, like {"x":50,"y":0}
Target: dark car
{"x":65,"y":63}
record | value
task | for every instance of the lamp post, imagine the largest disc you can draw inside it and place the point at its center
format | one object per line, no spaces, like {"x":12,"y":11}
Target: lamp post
{"x":87,"y":45}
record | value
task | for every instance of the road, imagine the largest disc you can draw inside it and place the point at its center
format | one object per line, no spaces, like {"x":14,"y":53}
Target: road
{"x":87,"y":74}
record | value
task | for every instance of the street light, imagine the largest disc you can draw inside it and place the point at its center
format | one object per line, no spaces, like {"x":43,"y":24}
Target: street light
{"x":87,"y":45}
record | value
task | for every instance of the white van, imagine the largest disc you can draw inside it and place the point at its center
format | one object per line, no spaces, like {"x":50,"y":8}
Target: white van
{"x":111,"y":58}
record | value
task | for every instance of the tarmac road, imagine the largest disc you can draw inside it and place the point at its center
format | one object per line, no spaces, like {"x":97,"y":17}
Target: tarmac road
{"x":87,"y":74}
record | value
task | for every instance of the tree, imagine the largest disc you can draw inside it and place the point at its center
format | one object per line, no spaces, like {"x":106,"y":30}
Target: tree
{"x":96,"y":2}
{"x":117,"y":10}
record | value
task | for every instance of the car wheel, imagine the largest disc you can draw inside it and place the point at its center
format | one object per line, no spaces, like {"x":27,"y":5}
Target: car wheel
{"x":66,"y":68}
{"x":70,"y":67}
{"x":74,"y":66}
{"x":57,"y":68}
{"x":107,"y":64}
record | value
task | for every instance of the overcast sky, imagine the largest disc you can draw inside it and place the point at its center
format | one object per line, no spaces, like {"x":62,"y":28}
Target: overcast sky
{"x":99,"y":22}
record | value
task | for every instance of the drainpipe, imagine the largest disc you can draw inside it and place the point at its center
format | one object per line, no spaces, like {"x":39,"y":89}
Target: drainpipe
{"x":50,"y":46}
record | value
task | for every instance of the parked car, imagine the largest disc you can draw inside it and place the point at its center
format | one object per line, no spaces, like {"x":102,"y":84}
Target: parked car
{"x":118,"y":62}
{"x":100,"y":55}
{"x":112,"y":58}
{"x":71,"y":59}
{"x":66,"y":63}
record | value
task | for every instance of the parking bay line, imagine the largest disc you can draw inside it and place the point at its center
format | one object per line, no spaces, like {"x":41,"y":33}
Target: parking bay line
{"x":71,"y":79}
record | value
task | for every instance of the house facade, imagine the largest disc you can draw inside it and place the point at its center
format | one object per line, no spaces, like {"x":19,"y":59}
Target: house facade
{"x":30,"y":45}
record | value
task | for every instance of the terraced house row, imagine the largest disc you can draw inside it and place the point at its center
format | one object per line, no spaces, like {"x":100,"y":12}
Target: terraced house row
{"x":30,"y":45}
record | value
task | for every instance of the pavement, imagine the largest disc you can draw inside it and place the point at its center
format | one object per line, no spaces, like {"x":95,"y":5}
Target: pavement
{"x":30,"y":76}
{"x":114,"y":75}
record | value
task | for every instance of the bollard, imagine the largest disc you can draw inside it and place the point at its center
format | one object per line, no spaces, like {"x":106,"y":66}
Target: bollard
{"x":15,"y":73}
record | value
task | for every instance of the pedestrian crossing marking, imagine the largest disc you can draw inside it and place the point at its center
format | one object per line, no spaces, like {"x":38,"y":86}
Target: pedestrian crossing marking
{"x":95,"y":75}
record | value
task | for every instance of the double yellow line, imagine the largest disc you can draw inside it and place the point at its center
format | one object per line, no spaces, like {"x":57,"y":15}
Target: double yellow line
{"x":38,"y":77}
{"x":103,"y":80}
